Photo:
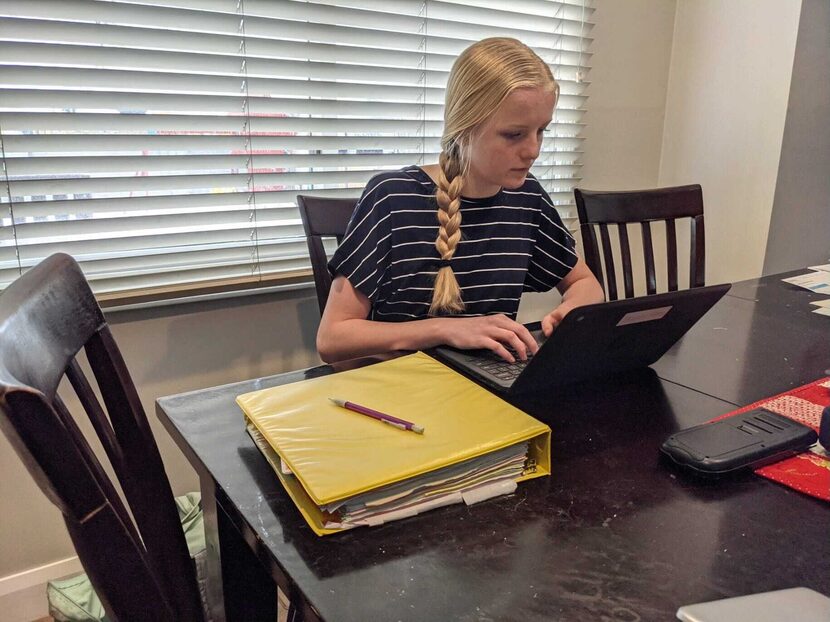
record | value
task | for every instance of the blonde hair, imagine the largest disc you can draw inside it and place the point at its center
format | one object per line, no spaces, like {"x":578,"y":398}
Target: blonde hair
{"x":480,"y":80}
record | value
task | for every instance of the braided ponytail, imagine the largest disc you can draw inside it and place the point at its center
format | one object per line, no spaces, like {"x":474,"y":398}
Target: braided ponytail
{"x":480,"y":80}
{"x":446,"y":296}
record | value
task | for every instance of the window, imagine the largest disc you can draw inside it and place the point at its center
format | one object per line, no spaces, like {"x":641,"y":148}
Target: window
{"x":163,"y":143}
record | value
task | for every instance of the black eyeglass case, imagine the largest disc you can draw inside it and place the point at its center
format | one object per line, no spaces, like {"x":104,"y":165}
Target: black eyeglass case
{"x":751,"y":439}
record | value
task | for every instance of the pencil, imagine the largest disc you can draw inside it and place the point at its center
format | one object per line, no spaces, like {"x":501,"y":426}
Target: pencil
{"x":375,"y":414}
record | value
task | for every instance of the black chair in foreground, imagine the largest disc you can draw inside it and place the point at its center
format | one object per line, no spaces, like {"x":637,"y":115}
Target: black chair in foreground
{"x":140,"y":569}
{"x":598,"y":209}
{"x":323,"y":217}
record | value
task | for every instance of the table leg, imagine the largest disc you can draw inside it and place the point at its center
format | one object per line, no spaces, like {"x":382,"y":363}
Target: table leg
{"x":250,"y":592}
{"x":213,"y":564}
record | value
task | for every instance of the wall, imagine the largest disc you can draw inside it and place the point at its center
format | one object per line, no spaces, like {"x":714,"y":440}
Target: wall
{"x":729,"y":83}
{"x":627,"y":93}
{"x":799,"y":233}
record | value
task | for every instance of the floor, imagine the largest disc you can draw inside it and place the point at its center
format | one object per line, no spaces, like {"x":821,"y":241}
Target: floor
{"x":25,"y":605}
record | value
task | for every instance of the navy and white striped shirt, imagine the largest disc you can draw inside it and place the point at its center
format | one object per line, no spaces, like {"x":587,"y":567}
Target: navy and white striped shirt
{"x":511,"y":242}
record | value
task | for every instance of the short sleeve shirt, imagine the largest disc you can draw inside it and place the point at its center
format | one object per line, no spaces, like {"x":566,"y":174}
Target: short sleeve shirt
{"x":511,"y":242}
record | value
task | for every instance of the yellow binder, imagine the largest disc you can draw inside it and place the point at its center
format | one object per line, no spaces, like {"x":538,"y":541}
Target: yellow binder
{"x":334,"y":454}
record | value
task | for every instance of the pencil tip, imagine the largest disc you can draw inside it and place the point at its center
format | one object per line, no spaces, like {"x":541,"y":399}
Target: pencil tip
{"x":417,"y":429}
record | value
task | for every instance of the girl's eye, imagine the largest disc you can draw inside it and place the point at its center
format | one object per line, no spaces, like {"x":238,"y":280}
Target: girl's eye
{"x":512,"y":135}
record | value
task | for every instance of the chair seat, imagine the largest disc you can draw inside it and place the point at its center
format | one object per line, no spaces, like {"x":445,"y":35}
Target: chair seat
{"x":75,"y":600}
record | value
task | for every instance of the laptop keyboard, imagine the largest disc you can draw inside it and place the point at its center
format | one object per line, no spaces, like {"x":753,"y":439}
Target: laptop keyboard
{"x":498,"y":367}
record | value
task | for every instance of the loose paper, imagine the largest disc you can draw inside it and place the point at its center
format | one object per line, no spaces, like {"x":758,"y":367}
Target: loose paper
{"x":818,"y":281}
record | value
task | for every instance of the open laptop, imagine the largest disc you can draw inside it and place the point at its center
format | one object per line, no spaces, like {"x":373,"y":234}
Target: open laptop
{"x":593,"y":341}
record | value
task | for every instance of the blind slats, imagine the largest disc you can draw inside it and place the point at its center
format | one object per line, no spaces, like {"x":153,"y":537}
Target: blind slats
{"x":445,"y":38}
{"x":444,"y":19}
{"x":211,"y":69}
{"x":158,"y":44}
{"x":163,"y":143}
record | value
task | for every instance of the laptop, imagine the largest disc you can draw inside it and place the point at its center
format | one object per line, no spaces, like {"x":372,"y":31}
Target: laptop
{"x":797,"y":603}
{"x":593,"y":341}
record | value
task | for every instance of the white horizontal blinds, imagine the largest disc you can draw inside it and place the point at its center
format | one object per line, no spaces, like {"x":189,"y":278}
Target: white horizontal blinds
{"x":164,"y":143}
{"x":124,"y":134}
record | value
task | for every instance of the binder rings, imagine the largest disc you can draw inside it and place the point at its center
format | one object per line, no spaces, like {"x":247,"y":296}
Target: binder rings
{"x":343,"y":469}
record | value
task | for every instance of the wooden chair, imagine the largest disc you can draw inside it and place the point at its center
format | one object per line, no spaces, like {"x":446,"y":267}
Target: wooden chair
{"x":323,"y":217}
{"x":601,"y":209}
{"x":140,"y":569}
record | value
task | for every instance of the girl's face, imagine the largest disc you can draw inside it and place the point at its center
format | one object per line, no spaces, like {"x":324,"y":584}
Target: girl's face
{"x":503,"y":149}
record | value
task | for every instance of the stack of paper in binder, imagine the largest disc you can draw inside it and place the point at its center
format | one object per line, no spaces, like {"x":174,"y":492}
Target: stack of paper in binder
{"x":344,"y":470}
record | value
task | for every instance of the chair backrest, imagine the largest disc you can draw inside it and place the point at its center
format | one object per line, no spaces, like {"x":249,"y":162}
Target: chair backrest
{"x":323,"y":217}
{"x":140,"y":570}
{"x":600,"y":209}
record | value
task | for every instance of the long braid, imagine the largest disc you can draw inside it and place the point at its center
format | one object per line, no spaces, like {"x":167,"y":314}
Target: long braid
{"x":482,"y":77}
{"x":446,"y":297}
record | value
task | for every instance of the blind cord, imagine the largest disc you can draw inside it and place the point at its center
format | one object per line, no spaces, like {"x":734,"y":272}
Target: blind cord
{"x":11,"y":203}
{"x":252,"y":217}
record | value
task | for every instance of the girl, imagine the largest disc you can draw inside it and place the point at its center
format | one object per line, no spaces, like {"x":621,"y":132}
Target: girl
{"x":406,"y":280}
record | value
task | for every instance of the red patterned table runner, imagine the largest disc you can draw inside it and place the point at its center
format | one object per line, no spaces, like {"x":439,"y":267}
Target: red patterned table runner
{"x":808,"y":472}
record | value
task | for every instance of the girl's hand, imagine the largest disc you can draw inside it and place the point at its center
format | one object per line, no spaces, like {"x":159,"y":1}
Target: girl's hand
{"x":579,"y":287}
{"x":492,"y":332}
{"x":554,"y":318}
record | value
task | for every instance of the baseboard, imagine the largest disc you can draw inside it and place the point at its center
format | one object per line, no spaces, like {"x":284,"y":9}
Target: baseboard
{"x":39,"y":575}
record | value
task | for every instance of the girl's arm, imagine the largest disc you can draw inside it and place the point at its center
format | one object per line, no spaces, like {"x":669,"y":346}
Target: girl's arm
{"x":345,"y":332}
{"x":579,"y":287}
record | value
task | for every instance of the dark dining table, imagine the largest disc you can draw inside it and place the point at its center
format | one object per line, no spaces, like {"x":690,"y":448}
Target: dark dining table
{"x":615,"y":533}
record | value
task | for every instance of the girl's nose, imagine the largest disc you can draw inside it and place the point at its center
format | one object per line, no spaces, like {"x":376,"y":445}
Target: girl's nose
{"x":532,"y":147}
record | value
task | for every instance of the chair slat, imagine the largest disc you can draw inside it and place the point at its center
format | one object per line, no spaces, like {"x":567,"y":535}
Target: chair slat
{"x":671,"y":254}
{"x":143,"y":478}
{"x":625,"y":255}
{"x":648,"y":256}
{"x":94,"y":466}
{"x":607,"y":253}
{"x":96,"y":415}
{"x":591,"y":250}
{"x":698,"y":260}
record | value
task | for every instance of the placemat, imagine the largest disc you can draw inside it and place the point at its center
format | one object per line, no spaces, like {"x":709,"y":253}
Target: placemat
{"x":809,"y":471}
